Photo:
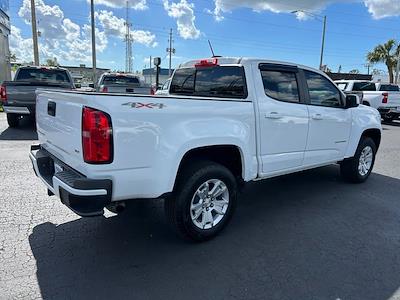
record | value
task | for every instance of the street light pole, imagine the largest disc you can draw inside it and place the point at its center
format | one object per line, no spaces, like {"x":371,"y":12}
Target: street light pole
{"x":34,"y":34}
{"x":323,"y":44}
{"x":93,"y":43}
{"x":319,"y":18}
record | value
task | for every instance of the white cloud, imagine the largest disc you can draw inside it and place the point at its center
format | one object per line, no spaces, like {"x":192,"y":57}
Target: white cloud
{"x":378,"y":8}
{"x":112,"y":25}
{"x":134,"y":4}
{"x":20,"y":46}
{"x":59,"y":36}
{"x":62,"y":38}
{"x":183,"y":13}
{"x":383,"y":8}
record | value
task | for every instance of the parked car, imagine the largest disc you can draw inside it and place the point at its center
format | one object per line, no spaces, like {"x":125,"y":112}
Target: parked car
{"x":122,"y":83}
{"x":164,"y":90}
{"x":384,"y":97}
{"x":19,"y":96}
{"x":241,"y":120}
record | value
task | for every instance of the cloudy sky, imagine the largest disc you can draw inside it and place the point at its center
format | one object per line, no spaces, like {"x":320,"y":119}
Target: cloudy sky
{"x":258,"y":28}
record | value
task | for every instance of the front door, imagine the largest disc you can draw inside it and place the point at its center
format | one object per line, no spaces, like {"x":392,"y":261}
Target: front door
{"x":330,"y":122}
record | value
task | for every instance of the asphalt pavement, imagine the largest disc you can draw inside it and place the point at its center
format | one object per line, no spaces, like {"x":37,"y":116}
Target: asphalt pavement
{"x":308,"y":235}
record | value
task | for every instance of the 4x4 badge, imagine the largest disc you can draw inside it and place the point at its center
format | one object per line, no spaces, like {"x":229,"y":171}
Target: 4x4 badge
{"x":144,"y":105}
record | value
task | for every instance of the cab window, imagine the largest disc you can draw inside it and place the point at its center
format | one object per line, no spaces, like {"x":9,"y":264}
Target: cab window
{"x":322,"y":92}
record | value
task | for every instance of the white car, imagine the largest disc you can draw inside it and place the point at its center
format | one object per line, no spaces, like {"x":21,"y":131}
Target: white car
{"x":384,"y":97}
{"x":164,"y":90}
{"x":225,"y":122}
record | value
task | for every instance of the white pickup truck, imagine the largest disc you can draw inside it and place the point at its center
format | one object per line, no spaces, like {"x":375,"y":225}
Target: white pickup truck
{"x":226,"y":121}
{"x":384,"y":97}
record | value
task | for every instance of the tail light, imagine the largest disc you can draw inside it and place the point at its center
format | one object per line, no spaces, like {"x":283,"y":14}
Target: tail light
{"x":385,"y":97}
{"x":104,"y":89}
{"x":97,"y":141}
{"x":207,"y":63}
{"x":3,"y":93}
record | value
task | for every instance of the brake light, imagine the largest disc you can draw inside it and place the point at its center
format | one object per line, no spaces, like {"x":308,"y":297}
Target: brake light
{"x":3,"y":93}
{"x":385,"y":97}
{"x":212,"y":62}
{"x":97,"y":142}
{"x":104,"y":89}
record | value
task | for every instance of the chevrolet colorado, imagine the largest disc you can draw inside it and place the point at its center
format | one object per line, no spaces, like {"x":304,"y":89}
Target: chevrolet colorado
{"x":19,"y":97}
{"x":226,"y":121}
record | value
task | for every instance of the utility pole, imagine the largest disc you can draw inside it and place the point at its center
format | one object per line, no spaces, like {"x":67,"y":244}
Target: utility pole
{"x":170,"y":50}
{"x":93,"y":43}
{"x":323,"y":44}
{"x":128,"y":42}
{"x":34,"y":34}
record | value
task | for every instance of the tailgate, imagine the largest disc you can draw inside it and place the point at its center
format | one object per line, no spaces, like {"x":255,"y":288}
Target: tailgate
{"x":59,"y":118}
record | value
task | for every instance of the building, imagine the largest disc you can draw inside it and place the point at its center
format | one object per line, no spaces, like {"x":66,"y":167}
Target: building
{"x":83,"y":73}
{"x":5,"y":68}
{"x":349,"y":76}
{"x":149,"y":76}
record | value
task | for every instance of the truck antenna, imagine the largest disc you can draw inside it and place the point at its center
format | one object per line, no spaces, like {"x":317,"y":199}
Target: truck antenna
{"x":211,"y":48}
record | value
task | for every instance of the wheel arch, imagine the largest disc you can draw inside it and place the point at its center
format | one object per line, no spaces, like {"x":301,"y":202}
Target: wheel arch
{"x":374,"y":134}
{"x":229,"y":155}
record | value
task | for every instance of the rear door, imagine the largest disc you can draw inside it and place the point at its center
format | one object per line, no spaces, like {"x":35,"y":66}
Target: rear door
{"x":330,"y":122}
{"x":283,"y":116}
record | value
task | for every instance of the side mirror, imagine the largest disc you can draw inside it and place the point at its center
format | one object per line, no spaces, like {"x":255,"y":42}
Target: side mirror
{"x":352,"y":101}
{"x":91,"y":85}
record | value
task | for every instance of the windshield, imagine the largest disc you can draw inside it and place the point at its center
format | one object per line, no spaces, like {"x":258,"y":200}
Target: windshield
{"x":43,"y":75}
{"x":120,"y":79}
{"x":364,"y":86}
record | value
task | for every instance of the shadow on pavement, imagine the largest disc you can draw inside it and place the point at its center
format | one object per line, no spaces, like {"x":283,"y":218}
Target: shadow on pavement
{"x":303,"y":236}
{"x":25,"y":131}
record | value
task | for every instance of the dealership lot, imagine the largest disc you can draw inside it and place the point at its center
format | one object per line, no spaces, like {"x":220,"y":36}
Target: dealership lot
{"x":303,"y":236}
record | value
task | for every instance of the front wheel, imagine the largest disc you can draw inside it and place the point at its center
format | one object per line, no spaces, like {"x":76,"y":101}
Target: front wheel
{"x":358,"y":168}
{"x":203,"y":201}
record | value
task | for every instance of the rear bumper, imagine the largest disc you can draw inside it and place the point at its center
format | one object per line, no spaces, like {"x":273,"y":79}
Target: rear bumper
{"x":389,"y":112}
{"x":20,"y":110}
{"x":86,"y":197}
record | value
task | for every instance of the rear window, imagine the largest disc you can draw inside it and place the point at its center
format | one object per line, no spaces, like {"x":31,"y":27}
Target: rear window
{"x":43,"y":75}
{"x":220,"y":82}
{"x":120,"y":80}
{"x":364,"y":86}
{"x":389,"y":88}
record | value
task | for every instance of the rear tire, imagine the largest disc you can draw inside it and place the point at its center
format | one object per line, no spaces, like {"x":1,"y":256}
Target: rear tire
{"x":203,"y":201}
{"x":388,"y":119}
{"x":13,"y":120}
{"x":358,"y":168}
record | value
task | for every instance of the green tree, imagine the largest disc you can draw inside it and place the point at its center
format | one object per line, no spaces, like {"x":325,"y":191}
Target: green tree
{"x":52,"y":62}
{"x":354,"y":71}
{"x":386,"y":53}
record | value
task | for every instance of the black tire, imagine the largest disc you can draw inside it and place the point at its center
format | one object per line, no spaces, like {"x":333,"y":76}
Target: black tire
{"x":349,"y":168}
{"x":13,"y":120}
{"x":178,"y":205}
{"x":388,"y":119}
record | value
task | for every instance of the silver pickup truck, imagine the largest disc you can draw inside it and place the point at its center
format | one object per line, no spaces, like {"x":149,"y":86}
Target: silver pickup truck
{"x":19,"y":96}
{"x":121,"y":83}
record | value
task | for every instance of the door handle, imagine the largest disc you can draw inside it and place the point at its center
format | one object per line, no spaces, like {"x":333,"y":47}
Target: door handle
{"x":273,"y":115}
{"x":317,"y":117}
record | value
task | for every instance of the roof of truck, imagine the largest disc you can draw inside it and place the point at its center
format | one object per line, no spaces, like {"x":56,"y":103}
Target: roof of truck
{"x":226,"y":60}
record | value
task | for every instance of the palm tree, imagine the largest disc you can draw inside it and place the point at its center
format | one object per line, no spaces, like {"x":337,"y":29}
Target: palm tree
{"x":386,"y":53}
